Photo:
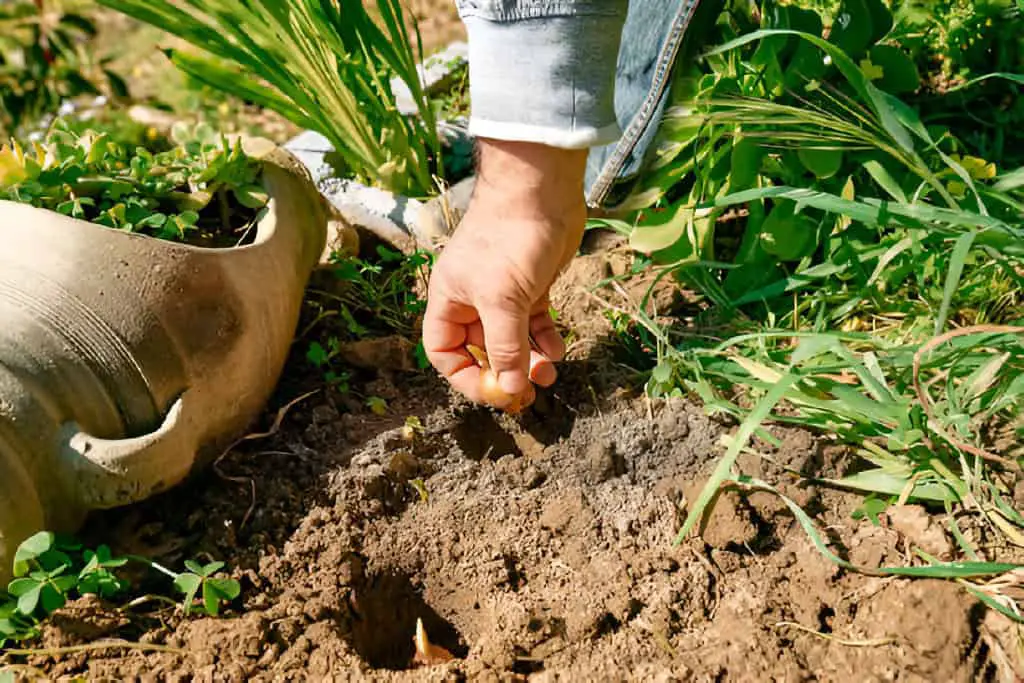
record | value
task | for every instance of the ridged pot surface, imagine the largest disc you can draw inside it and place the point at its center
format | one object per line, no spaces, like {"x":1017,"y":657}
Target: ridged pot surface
{"x":125,"y":360}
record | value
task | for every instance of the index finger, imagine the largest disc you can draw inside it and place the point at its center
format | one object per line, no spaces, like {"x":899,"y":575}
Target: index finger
{"x":445,"y":335}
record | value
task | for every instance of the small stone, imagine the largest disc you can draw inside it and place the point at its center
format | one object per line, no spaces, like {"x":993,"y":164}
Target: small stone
{"x":381,"y":353}
{"x":404,"y":465}
{"x":603,"y":462}
{"x":673,"y":422}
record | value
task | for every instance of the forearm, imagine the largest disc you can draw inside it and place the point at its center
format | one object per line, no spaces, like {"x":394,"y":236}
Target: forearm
{"x":544,"y":71}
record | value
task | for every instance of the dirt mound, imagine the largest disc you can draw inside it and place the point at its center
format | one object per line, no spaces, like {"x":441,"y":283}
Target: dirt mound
{"x":538,"y":547}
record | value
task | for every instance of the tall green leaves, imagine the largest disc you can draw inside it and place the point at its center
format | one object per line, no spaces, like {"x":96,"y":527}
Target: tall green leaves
{"x":326,"y":65}
{"x":836,"y":235}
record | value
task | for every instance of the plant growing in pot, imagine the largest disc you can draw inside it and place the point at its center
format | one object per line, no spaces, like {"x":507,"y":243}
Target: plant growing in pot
{"x":331,"y":67}
{"x":148,"y":303}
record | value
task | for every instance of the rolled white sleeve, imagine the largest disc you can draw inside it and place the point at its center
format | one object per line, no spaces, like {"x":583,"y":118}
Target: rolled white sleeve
{"x":548,"y":79}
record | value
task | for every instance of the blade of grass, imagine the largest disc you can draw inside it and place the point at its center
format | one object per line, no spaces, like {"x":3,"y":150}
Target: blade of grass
{"x":739,"y":441}
{"x":957,"y":258}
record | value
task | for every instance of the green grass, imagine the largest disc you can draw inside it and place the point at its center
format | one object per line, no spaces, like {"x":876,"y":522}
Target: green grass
{"x":861,"y":270}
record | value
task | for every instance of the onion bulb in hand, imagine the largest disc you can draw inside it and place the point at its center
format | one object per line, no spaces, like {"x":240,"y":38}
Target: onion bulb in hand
{"x":490,"y":389}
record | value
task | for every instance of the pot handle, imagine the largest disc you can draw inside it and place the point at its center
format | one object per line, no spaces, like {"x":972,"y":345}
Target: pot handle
{"x":106,"y":473}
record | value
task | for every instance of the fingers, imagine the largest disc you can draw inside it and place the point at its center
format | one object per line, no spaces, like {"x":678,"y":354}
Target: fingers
{"x":507,"y":342}
{"x":445,"y":330}
{"x":549,"y":342}
{"x":504,"y":332}
{"x":542,"y":370}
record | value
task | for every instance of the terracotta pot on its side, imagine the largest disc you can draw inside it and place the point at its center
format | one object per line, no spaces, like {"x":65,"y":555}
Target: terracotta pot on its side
{"x":125,"y":360}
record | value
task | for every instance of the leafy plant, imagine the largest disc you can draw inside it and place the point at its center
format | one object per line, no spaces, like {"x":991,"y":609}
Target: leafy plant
{"x":49,"y":571}
{"x":45,"y":58}
{"x":836,"y":237}
{"x":188,"y":193}
{"x":973,"y":51}
{"x":200,"y":579}
{"x":362,"y":298}
{"x":328,"y":66}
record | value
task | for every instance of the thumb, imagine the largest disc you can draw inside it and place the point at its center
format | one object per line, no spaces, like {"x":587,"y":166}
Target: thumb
{"x":507,"y":343}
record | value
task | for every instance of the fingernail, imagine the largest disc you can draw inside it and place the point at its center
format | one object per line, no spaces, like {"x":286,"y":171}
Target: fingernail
{"x":507,"y":382}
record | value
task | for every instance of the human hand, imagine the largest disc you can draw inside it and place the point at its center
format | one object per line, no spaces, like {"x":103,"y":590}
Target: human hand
{"x":489,"y":288}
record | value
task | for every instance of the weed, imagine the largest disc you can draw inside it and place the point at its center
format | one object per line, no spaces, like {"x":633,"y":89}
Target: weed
{"x":367,"y":298}
{"x":860,"y":270}
{"x":49,"y":571}
{"x":200,"y":579}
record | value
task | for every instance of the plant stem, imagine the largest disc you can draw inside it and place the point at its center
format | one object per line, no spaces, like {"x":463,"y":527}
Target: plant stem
{"x":92,"y":647}
{"x":155,"y":565}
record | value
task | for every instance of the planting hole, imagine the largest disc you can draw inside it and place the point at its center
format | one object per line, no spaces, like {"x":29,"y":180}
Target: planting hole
{"x":480,"y":436}
{"x":388,"y":606}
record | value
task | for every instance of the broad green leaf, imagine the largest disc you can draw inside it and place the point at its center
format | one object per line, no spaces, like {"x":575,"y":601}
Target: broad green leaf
{"x":822,"y":162}
{"x":663,"y":230}
{"x":881,"y":19}
{"x":745,"y":163}
{"x":786,"y":235}
{"x":852,"y":29}
{"x":899,"y":74}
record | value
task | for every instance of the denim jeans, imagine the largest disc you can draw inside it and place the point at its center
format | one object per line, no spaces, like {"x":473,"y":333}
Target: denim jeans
{"x":654,"y":38}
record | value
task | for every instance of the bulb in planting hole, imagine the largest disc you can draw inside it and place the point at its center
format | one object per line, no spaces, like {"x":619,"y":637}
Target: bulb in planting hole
{"x":490,"y":389}
{"x":427,"y":653}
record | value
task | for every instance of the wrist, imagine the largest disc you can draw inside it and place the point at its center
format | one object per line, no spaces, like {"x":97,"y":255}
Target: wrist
{"x":529,"y":180}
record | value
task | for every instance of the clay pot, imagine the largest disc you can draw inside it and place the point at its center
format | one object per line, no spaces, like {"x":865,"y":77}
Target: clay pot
{"x":127,"y":361}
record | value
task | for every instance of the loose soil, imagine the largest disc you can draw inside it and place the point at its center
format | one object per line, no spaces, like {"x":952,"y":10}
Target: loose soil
{"x":536,"y":547}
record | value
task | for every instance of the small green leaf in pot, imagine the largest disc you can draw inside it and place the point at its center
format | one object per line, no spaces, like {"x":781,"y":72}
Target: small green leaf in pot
{"x":823,"y":163}
{"x":251,"y":197}
{"x":899,"y":74}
